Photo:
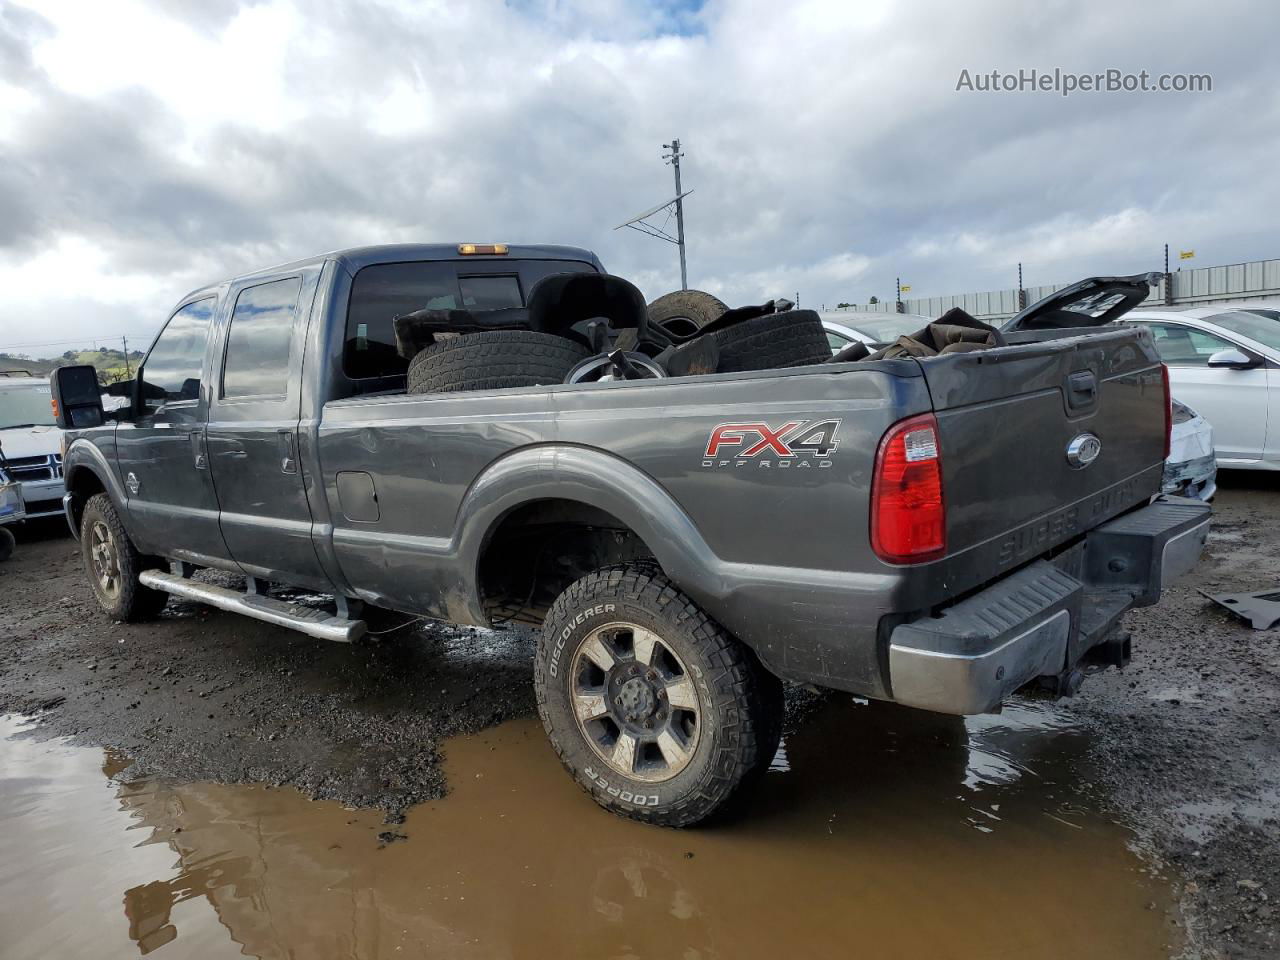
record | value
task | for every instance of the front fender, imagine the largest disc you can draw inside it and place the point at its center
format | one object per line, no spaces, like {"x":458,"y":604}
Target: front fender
{"x":84,"y":458}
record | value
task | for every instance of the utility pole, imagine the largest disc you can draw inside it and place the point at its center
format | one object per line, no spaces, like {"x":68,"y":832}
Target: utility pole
{"x":128,"y":372}
{"x":641,"y":223}
{"x":1022,"y":293}
{"x":674,"y":159}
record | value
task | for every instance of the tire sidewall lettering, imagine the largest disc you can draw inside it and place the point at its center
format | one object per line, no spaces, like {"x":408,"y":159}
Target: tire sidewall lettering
{"x":553,"y":666}
{"x":619,"y":793}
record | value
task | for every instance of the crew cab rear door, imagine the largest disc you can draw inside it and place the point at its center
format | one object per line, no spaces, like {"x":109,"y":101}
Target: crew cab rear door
{"x":252,"y":435}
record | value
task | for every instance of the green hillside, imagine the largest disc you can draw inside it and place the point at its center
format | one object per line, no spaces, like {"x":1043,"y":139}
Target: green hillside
{"x":110,"y":364}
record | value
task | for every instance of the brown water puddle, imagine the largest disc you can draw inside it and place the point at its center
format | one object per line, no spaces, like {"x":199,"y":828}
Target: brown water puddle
{"x":880,"y":833}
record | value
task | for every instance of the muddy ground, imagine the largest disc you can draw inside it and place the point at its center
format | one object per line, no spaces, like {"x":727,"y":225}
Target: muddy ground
{"x":1183,"y":747}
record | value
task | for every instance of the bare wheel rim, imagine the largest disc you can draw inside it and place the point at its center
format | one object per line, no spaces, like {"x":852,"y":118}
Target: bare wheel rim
{"x":106,"y":561}
{"x":635,"y":702}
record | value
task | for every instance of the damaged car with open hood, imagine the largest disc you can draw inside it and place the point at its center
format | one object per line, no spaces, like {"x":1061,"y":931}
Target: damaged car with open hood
{"x":694,"y":503}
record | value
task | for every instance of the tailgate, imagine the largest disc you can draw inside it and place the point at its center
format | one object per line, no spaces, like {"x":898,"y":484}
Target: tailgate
{"x":1042,"y":441}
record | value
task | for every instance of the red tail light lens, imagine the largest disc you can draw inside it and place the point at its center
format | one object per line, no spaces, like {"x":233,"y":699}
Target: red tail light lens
{"x":1168,"y":411}
{"x":908,"y":516}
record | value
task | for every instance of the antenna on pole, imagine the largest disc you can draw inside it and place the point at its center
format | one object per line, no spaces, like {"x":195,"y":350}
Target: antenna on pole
{"x":674,"y":205}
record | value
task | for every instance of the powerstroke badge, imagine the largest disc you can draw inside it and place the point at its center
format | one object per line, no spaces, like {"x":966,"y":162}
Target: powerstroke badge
{"x":794,"y":444}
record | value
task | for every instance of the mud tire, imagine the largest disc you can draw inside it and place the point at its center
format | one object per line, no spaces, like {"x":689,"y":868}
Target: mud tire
{"x":792,"y":339}
{"x":130,"y":601}
{"x":493,"y":360}
{"x":7,"y":544}
{"x":739,"y":702}
{"x":686,"y":311}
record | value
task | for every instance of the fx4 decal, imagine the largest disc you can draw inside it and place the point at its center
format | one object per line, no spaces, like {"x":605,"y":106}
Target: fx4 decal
{"x":796,"y":443}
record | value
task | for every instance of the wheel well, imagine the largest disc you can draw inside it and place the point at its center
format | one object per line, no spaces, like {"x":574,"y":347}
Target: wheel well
{"x":538,"y":549}
{"x":82,"y":483}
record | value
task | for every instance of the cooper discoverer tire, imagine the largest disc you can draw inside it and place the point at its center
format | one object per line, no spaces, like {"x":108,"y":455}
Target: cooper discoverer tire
{"x":652,"y":707}
{"x":493,"y":360}
{"x":776,"y":340}
{"x":682,"y":312}
{"x":113,"y":564}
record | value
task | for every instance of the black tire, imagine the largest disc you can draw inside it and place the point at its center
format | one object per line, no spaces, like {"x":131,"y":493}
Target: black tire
{"x":729,"y":712}
{"x":493,"y":360}
{"x":776,"y":340}
{"x":105,"y":547}
{"x":682,"y":312}
{"x":7,"y":544}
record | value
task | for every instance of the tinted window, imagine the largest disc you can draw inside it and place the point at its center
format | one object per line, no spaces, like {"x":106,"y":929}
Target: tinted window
{"x":257,"y":362}
{"x":1181,"y":346}
{"x":1260,"y":328}
{"x":383,"y":291}
{"x":173,"y":367}
{"x":490,"y":293}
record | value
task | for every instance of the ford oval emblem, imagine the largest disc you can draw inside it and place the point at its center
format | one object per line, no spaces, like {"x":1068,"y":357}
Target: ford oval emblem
{"x":1083,"y":450}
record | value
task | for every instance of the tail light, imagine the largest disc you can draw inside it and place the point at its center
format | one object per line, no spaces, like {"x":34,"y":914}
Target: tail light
{"x":1168,"y":411}
{"x":908,"y":516}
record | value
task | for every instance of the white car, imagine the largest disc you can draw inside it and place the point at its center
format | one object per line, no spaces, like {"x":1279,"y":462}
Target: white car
{"x":874,"y":329}
{"x":1225,"y":363}
{"x":32,"y":442}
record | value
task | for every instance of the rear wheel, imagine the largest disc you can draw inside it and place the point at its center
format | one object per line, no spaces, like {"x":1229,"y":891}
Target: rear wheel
{"x":492,"y":360}
{"x":7,"y":544}
{"x":113,"y":564}
{"x":652,"y":707}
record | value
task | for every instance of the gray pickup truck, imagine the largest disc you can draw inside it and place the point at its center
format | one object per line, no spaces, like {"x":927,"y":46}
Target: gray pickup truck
{"x":937,"y":531}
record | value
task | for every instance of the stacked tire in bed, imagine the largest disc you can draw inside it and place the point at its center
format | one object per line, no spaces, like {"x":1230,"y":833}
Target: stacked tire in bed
{"x":522,"y":358}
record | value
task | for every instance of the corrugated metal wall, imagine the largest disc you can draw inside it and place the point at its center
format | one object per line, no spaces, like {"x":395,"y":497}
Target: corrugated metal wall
{"x":1236,"y":281}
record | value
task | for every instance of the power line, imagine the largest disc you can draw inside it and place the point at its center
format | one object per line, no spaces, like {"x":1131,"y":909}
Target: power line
{"x":62,"y":343}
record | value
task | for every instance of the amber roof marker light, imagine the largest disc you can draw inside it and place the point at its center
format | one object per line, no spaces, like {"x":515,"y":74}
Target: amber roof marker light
{"x":476,"y":249}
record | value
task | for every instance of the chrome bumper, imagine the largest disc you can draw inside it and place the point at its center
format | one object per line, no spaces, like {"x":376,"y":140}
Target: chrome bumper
{"x":1041,"y":620}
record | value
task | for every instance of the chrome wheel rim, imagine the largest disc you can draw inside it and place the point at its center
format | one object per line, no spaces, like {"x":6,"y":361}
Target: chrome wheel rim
{"x":635,"y":702}
{"x":106,"y":563}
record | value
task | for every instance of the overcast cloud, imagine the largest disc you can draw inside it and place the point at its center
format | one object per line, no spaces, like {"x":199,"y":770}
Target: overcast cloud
{"x":148,"y":148}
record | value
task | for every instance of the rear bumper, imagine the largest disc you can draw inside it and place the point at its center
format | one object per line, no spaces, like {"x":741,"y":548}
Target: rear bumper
{"x":1043,"y":619}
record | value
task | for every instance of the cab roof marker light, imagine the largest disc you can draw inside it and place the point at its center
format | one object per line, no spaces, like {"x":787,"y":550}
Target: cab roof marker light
{"x":482,"y":249}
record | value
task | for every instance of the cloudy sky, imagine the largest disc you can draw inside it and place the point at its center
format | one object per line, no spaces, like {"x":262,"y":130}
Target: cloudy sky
{"x":149,"y":147}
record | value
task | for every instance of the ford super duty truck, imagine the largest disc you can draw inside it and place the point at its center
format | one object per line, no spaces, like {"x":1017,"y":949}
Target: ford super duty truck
{"x":938,"y":531}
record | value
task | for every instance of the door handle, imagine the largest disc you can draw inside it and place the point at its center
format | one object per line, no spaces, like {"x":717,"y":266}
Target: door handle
{"x":199,"y":451}
{"x":1082,"y":389}
{"x":288,"y":452}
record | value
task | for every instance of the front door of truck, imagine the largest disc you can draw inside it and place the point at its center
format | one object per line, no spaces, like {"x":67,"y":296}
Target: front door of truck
{"x":252,"y":435}
{"x":171,"y":502}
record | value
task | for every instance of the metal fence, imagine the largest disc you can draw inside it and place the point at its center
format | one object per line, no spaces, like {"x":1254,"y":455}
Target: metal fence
{"x":1236,"y":281}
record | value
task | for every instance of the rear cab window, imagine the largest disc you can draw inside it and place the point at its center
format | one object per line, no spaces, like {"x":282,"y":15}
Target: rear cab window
{"x":382,"y":291}
{"x":257,"y":356}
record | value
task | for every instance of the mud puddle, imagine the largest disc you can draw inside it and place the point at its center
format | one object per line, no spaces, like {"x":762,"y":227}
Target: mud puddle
{"x":878,"y":833}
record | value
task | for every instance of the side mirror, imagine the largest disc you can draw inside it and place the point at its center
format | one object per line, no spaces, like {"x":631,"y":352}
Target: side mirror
{"x":1233,"y":359}
{"x":77,"y":400}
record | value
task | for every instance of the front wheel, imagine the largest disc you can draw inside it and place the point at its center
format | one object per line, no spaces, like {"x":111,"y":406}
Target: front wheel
{"x":652,"y":707}
{"x":113,"y":564}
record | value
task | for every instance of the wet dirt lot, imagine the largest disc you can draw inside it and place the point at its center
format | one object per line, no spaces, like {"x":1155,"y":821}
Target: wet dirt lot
{"x":1138,"y":820}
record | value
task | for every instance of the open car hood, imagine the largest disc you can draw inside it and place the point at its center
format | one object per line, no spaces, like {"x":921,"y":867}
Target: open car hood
{"x":1091,"y":302}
